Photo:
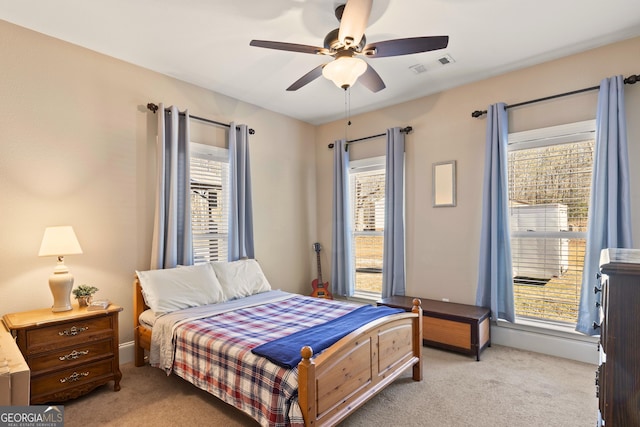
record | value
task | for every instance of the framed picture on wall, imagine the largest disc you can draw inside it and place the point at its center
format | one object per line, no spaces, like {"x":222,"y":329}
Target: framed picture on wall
{"x":444,"y":184}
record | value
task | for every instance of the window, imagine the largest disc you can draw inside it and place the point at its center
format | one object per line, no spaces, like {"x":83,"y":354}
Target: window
{"x":549,"y":189}
{"x":366,"y":180}
{"x":209,"y":202}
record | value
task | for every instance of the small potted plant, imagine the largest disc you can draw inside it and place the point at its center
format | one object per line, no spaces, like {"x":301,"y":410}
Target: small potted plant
{"x":84,"y":294}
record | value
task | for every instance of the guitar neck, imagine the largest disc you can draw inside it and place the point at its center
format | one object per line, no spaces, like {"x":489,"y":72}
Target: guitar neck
{"x":319,"y":268}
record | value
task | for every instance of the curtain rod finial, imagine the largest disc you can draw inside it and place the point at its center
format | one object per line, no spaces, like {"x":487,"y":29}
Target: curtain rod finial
{"x":152,"y":107}
{"x":632,"y":79}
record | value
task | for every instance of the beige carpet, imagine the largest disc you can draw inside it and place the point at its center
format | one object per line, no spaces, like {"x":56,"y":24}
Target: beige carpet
{"x":507,"y":388}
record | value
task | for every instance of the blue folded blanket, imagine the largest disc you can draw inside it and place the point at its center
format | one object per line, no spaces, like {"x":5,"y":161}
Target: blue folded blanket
{"x":285,"y":351}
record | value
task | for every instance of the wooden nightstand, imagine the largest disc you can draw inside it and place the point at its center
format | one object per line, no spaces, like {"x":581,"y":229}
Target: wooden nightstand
{"x":69,"y":353}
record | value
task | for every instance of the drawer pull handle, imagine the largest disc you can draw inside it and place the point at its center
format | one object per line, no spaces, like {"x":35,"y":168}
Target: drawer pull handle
{"x":74,"y":355}
{"x":74,"y":330}
{"x":74,"y":377}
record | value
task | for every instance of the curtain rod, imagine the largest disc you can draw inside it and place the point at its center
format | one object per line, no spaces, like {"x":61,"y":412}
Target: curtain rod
{"x":153,"y":107}
{"x":406,"y":129}
{"x":629,"y":80}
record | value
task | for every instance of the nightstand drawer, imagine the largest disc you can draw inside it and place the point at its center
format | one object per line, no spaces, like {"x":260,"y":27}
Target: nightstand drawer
{"x":68,"y":334}
{"x":78,"y":377}
{"x":70,"y":356}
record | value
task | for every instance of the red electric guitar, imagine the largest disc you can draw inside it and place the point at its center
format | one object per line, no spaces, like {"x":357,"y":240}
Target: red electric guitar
{"x":320,"y":288}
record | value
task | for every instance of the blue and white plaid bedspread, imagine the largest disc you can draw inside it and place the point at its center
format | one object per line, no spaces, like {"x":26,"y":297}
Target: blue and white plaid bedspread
{"x":215,"y":355}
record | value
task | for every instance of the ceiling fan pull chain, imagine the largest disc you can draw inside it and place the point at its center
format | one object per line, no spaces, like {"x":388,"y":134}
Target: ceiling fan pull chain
{"x":349,"y":107}
{"x":346,"y":115}
{"x":347,"y":112}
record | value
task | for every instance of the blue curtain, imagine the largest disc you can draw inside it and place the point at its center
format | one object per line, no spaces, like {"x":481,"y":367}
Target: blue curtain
{"x":172,"y":244}
{"x":495,"y":274}
{"x":342,"y":280}
{"x":393,"y":261}
{"x":609,"y":207}
{"x":241,"y":209}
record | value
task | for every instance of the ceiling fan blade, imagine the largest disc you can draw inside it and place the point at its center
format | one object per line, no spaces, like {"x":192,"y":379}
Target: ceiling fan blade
{"x":371,"y":79}
{"x":307,"y":78}
{"x":290,"y":47}
{"x":354,"y":21}
{"x":405,"y":46}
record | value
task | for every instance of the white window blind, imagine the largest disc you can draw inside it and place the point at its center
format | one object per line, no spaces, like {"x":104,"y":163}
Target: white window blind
{"x":209,"y":202}
{"x":367,"y":199}
{"x":549,"y":190}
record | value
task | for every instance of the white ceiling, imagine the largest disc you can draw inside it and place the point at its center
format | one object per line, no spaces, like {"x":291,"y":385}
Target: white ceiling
{"x":206,"y":42}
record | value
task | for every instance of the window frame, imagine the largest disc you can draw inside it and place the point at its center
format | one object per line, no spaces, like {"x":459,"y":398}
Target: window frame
{"x":220,"y":155}
{"x":539,"y":138}
{"x":370,"y":164}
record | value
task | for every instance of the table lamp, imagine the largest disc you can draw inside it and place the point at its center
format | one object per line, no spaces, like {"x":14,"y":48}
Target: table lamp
{"x":60,"y":241}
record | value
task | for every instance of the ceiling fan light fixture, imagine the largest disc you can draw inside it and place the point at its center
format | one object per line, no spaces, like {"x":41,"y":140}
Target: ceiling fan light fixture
{"x":344,"y":71}
{"x":347,"y":41}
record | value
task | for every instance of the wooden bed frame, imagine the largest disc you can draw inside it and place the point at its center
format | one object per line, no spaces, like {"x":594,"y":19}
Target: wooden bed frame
{"x":342,"y":378}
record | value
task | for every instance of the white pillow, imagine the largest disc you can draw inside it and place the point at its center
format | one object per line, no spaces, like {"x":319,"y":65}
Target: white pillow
{"x":174,"y":289}
{"x":241,"y":278}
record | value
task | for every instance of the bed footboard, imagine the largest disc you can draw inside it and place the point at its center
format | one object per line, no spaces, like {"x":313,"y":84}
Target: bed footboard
{"x":342,"y":378}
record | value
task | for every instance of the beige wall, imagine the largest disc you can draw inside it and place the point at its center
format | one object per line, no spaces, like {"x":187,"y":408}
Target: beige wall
{"x":77,"y":147}
{"x":442,"y":243}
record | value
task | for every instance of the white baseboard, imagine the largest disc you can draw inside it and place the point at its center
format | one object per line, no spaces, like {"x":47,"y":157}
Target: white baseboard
{"x":569,"y":346}
{"x":126,"y":352}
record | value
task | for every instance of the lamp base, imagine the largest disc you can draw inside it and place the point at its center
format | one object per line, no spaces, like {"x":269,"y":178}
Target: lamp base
{"x":61,"y":283}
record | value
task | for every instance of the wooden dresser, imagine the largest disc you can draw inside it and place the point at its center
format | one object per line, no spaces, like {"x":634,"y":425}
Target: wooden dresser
{"x":69,"y":353}
{"x":618,"y":375}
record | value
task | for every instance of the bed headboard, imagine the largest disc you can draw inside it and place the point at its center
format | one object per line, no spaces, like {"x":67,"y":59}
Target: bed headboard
{"x":138,"y":300}
{"x":142,"y":336}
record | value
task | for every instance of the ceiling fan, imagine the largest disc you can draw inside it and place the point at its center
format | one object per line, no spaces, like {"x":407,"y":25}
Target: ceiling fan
{"x":346,"y":43}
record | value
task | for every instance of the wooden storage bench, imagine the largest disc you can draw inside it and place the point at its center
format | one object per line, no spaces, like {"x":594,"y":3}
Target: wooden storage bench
{"x":458,"y":327}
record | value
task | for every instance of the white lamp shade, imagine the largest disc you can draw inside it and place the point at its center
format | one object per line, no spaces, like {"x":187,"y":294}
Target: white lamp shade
{"x":59,"y":241}
{"x":344,"y":71}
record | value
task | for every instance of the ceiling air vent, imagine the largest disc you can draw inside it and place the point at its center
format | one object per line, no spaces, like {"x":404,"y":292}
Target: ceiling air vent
{"x":446,"y":59}
{"x":437,"y":63}
{"x":418,"y":68}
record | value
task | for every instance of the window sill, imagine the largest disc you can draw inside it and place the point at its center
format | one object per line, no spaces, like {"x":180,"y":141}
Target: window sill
{"x":365,"y":297}
{"x":547,"y":328}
